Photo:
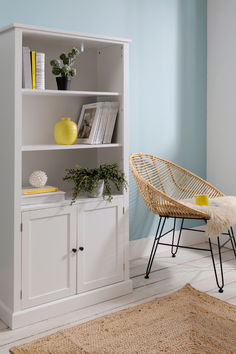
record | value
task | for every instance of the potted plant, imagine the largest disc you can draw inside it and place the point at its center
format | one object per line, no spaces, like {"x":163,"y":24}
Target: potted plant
{"x":90,"y":179}
{"x":64,"y":67}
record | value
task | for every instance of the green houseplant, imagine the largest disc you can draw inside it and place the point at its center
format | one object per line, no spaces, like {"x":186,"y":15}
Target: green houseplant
{"x":64,"y":68}
{"x":87,"y":180}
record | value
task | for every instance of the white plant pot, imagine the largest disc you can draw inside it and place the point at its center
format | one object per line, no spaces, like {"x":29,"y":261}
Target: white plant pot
{"x":98,"y":190}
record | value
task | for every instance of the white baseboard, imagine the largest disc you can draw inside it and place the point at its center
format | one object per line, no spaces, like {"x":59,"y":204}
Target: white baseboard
{"x":5,"y":314}
{"x":142,"y":247}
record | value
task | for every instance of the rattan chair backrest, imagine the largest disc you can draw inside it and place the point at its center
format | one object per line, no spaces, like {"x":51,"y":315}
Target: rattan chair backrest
{"x":168,"y":181}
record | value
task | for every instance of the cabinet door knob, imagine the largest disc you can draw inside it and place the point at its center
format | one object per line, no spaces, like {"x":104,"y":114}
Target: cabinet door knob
{"x":74,"y":250}
{"x":81,"y":248}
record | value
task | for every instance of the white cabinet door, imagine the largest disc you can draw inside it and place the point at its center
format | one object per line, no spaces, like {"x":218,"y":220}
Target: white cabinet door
{"x":100,"y":244}
{"x":48,"y":262}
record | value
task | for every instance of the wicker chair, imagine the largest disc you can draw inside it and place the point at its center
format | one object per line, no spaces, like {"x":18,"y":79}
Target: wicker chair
{"x":162,"y":185}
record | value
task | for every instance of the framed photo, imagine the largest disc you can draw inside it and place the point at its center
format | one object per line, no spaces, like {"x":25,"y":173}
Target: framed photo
{"x":88,"y":122}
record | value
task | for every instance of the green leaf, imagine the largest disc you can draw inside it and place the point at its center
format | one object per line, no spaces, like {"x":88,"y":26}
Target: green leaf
{"x":55,"y":63}
{"x":56,"y":71}
{"x":63,"y":57}
{"x":72,"y":72}
{"x":74,"y":51}
{"x":65,"y":69}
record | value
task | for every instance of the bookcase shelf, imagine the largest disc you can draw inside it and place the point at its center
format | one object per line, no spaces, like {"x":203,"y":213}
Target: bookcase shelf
{"x":67,"y":202}
{"x":43,"y":147}
{"x":68,"y":93}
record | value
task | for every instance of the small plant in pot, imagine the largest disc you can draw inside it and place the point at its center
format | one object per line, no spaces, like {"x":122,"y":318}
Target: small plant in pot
{"x":90,"y":179}
{"x":64,"y":68}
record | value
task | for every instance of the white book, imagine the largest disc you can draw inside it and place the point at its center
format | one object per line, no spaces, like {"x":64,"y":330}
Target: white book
{"x":108,"y":119}
{"x":99,"y":124}
{"x":103,"y":123}
{"x":26,"y":68}
{"x":111,"y":122}
{"x":55,"y":197}
{"x":40,"y":71}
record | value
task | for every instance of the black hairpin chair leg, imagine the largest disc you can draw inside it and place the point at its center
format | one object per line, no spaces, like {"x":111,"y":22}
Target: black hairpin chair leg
{"x":220,"y":286}
{"x":232,"y":239}
{"x":155,"y":245}
{"x":219,"y":276}
{"x":173,"y":252}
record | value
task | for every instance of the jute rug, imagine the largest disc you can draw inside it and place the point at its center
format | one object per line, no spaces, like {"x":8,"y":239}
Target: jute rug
{"x":187,"y":321}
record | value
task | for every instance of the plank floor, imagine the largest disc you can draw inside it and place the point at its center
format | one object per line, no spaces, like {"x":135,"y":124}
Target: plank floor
{"x":168,"y":274}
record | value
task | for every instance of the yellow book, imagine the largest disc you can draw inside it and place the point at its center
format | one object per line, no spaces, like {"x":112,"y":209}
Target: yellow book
{"x":46,"y":189}
{"x":33,"y":67}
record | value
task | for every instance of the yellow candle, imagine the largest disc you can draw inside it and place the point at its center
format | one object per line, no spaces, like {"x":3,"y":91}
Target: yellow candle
{"x":201,"y":199}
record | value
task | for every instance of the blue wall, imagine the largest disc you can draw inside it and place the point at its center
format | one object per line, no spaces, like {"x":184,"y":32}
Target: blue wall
{"x":167,"y":73}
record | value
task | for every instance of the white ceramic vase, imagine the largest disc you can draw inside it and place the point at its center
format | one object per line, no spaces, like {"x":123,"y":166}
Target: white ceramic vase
{"x":98,"y":191}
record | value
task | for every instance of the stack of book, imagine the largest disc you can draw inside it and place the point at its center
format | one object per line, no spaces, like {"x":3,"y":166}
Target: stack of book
{"x":46,"y":194}
{"x":33,"y":69}
{"x":97,"y":122}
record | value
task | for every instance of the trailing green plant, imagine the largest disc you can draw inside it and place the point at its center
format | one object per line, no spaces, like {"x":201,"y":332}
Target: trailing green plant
{"x":86,"y":179}
{"x":64,"y":67}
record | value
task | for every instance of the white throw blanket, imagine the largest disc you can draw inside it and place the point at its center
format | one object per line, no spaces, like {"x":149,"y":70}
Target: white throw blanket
{"x":222,"y":212}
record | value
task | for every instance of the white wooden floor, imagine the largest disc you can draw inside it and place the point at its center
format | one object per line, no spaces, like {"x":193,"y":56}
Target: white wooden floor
{"x":168,"y":274}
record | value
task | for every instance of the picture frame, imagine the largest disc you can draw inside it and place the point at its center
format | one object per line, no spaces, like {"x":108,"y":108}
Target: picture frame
{"x":88,"y":122}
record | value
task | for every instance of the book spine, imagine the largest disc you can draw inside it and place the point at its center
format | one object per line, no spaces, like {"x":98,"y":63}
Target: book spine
{"x":39,"y":190}
{"x":113,"y":121}
{"x":33,"y":69}
{"x":40,"y":71}
{"x":26,"y":68}
{"x":104,"y":122}
{"x":109,"y":113}
{"x":98,"y":137}
{"x":98,"y":124}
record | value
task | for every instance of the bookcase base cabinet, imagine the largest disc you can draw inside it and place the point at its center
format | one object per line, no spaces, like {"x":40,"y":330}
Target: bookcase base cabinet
{"x":72,"y":257}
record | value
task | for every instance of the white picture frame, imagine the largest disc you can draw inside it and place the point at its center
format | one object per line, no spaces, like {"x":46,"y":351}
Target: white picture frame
{"x":88,"y":122}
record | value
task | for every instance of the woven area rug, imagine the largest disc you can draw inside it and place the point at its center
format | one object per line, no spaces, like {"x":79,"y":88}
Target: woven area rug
{"x":187,"y":321}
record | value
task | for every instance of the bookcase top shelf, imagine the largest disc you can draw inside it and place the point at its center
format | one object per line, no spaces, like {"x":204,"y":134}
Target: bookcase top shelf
{"x":45,"y":147}
{"x":47,"y":32}
{"x":67,"y":93}
{"x":50,"y":34}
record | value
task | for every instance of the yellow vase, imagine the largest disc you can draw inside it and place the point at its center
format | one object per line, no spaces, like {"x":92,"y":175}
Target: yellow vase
{"x":65,"y":132}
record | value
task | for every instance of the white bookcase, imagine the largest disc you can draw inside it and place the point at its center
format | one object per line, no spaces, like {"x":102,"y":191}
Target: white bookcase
{"x":55,"y":258}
